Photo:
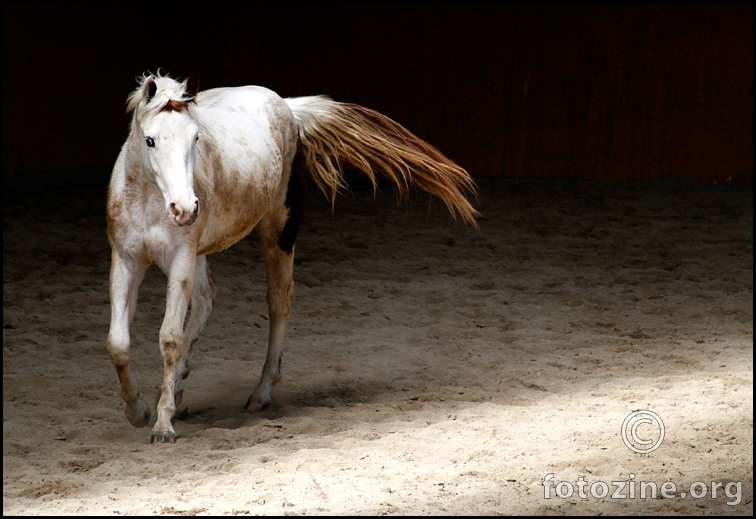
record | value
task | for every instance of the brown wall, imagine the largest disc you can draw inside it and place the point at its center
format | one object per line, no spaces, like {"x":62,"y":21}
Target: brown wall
{"x":556,"y":91}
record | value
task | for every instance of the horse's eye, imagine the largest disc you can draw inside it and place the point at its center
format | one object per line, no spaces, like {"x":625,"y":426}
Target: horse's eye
{"x":196,"y":138}
{"x":150,"y":142}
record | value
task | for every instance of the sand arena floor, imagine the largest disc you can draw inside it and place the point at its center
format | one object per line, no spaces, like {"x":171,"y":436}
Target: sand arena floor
{"x":429,"y":368}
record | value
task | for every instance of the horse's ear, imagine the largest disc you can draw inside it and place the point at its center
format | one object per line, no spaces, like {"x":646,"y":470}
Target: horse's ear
{"x":149,"y":88}
{"x":192,"y":85}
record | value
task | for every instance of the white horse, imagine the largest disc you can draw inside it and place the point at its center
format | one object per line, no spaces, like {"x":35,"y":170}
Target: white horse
{"x":199,"y":171}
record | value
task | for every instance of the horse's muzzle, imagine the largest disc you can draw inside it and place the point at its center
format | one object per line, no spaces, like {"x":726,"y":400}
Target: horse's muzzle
{"x":184,"y":217}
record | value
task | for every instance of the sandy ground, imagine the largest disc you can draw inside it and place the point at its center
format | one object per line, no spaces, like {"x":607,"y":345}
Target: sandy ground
{"x":429,"y":368}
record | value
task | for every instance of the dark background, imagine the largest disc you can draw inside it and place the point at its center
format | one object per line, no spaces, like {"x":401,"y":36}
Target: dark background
{"x":580,"y":91}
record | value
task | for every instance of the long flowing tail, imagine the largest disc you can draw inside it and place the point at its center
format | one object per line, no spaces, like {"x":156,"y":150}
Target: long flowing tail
{"x":332,"y":134}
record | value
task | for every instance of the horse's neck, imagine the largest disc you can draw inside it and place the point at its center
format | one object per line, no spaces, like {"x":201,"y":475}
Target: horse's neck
{"x":134,"y":166}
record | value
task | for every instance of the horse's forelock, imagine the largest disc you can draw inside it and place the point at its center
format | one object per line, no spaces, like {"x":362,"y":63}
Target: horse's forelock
{"x":169,"y":95}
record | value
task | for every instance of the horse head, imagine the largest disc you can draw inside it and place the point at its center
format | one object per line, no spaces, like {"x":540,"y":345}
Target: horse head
{"x":167,"y":135}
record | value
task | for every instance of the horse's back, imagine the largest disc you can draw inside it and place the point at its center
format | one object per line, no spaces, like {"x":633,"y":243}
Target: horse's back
{"x":244,"y":100}
{"x":222,"y":96}
{"x":247,"y":119}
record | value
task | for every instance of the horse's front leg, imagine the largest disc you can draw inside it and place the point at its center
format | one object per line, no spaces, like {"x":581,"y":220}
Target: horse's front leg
{"x":180,"y":274}
{"x":126,"y":274}
{"x":203,"y":296}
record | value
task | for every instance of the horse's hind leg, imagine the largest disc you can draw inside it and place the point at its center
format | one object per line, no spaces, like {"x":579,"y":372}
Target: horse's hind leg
{"x":278,"y":231}
{"x":279,"y":266}
{"x":125,"y":277}
{"x":203,"y":296}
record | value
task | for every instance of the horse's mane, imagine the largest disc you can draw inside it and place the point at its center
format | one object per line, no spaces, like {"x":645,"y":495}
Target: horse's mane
{"x":167,"y":90}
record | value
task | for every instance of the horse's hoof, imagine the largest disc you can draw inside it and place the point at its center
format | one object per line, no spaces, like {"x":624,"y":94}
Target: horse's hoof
{"x":254,"y":405}
{"x":141,"y":417}
{"x":163,"y":437}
